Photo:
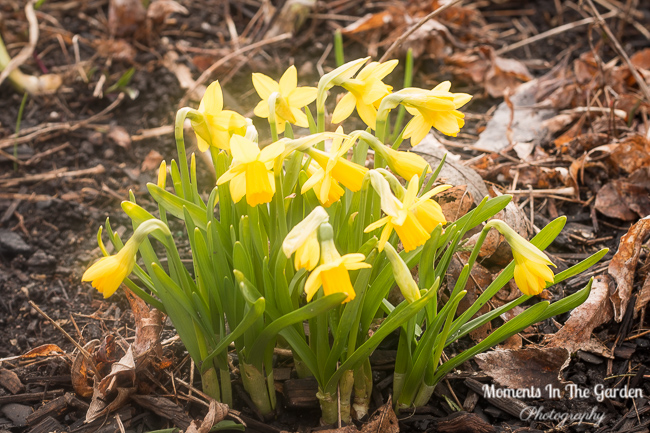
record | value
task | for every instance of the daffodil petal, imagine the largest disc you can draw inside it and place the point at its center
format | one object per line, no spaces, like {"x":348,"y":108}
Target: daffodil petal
{"x":301,"y":96}
{"x":264,"y":85}
{"x":243,"y":150}
{"x":213,"y":98}
{"x":288,"y":81}
{"x":238,"y":187}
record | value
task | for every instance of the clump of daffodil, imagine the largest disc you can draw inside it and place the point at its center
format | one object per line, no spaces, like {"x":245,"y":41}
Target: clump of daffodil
{"x":532,"y":270}
{"x":365,"y":92}
{"x":401,"y":215}
{"x":250,"y":173}
{"x":289,"y":98}
{"x":332,"y":273}
{"x":403,"y":277}
{"x":108,"y":272}
{"x":336,"y":166}
{"x":303,"y":240}
{"x":216,"y":125}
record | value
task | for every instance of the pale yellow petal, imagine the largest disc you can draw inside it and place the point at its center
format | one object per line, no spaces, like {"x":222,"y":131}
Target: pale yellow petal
{"x":212,"y":99}
{"x":344,"y":108}
{"x":262,"y":109}
{"x":272,"y":151}
{"x":373,"y":226}
{"x":301,"y":96}
{"x":264,"y":85}
{"x":313,"y":283}
{"x":243,"y":150}
{"x":288,"y":81}
{"x":301,"y":118}
{"x":368,"y":114}
{"x":238,"y":187}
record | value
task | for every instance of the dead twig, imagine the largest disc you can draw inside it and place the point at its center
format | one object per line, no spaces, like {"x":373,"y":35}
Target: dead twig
{"x":54,"y":174}
{"x":206,"y":74}
{"x":410,"y":31}
{"x":27,"y":51}
{"x":32,"y":133}
{"x":619,"y":49}
{"x":552,"y":32}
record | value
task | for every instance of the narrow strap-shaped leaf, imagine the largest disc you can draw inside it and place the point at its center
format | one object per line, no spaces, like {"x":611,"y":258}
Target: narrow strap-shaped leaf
{"x":256,"y":310}
{"x":174,"y":205}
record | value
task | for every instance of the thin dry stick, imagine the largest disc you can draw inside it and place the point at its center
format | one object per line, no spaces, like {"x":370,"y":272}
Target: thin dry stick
{"x":410,"y":31}
{"x":617,"y":46}
{"x":83,"y":351}
{"x":66,"y":126}
{"x":206,"y":74}
{"x":27,"y":51}
{"x":54,"y":174}
{"x":552,"y":32}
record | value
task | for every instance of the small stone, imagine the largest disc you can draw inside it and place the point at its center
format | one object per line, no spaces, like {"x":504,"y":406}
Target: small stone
{"x":109,"y":154}
{"x":11,"y":244}
{"x":40,"y":260}
{"x":17,"y":413}
{"x":87,"y":147}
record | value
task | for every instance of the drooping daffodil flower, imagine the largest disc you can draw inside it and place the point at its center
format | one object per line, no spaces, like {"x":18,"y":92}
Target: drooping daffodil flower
{"x":532,"y":270}
{"x":401,"y":215}
{"x":251,"y":171}
{"x":303,"y":240}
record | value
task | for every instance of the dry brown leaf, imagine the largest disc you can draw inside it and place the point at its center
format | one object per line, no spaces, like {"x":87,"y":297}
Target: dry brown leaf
{"x":125,"y":17}
{"x":631,"y":154}
{"x":119,"y":136}
{"x":100,"y":406}
{"x":641,"y":59}
{"x":43,"y":350}
{"x":372,"y":21}
{"x":623,"y":265}
{"x":151,"y":161}
{"x":215,"y":415}
{"x":148,"y":325}
{"x":595,"y":311}
{"x":159,"y":10}
{"x":623,"y":200}
{"x":644,"y":297}
{"x":80,"y":369}
{"x":116,"y":49}
{"x":164,"y":408}
{"x":383,"y":420}
{"x":10,"y":381}
{"x":455,"y":202}
{"x":526,"y":368}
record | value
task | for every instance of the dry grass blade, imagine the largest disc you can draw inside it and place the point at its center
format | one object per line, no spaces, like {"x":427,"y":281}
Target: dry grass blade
{"x":27,"y":51}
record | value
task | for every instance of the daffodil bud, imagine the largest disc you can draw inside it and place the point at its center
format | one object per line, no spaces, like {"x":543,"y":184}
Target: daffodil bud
{"x":162,"y":175}
{"x":303,"y":240}
{"x":406,"y":164}
{"x":532,"y":270}
{"x":200,"y":126}
{"x":403,"y":277}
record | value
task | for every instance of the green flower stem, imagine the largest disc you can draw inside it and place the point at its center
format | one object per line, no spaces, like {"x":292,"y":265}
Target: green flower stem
{"x":362,"y":389}
{"x":226,"y":386}
{"x":198,"y":119}
{"x":408,"y":81}
{"x":338,"y":48}
{"x":256,"y":386}
{"x":345,"y":392}
{"x":329,"y":407}
{"x":272,"y":122}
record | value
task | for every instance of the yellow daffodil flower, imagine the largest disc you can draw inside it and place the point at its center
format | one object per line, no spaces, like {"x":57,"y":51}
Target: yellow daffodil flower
{"x":337,"y":167}
{"x":303,"y":240}
{"x":532,"y":270}
{"x":332,"y":274}
{"x":290,"y":100}
{"x":327,"y":191}
{"x":218,"y":125}
{"x":108,"y":272}
{"x":405,"y":164}
{"x":401,"y":215}
{"x":436,"y":108}
{"x":365,"y":92}
{"x":402,"y":274}
{"x":250,"y":173}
